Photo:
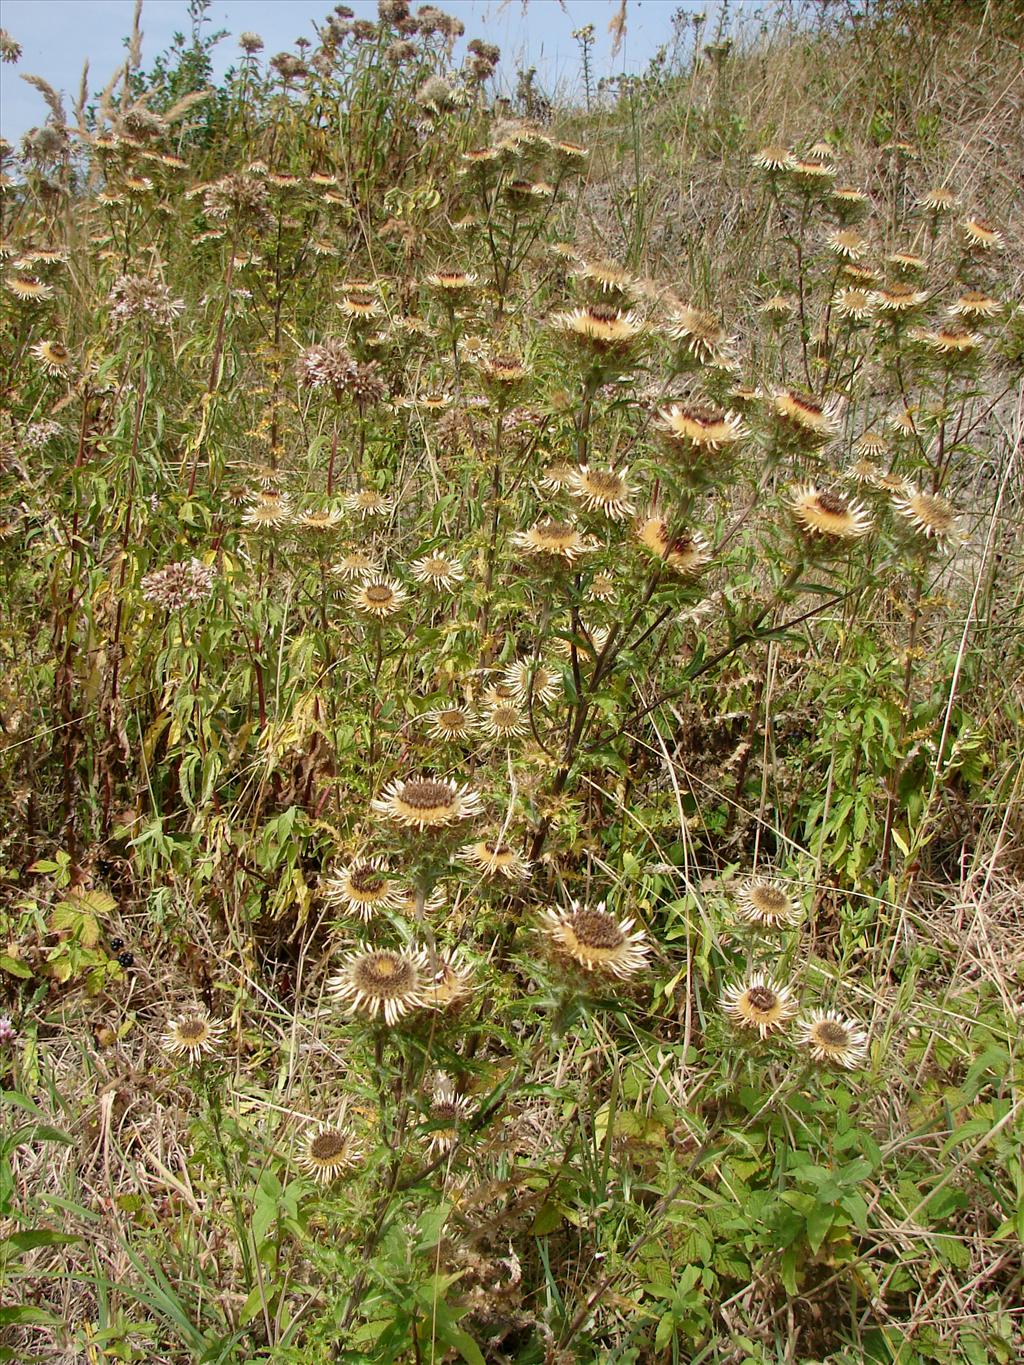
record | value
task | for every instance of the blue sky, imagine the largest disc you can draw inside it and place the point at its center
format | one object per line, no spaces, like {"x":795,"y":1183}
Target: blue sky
{"x":58,"y":35}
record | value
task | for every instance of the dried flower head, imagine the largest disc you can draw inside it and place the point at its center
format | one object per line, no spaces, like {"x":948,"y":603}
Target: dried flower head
{"x":30,"y":287}
{"x":450,"y":722}
{"x":364,"y":887}
{"x":899,"y":298}
{"x":494,"y":858}
{"x":529,"y":681}
{"x":701,"y":334}
{"x":378,"y":597}
{"x":53,"y":355}
{"x":595,"y":940}
{"x":686,"y":552}
{"x":270,"y":509}
{"x":452,"y":985}
{"x":553,"y":539}
{"x":700,"y":427}
{"x":928,"y":513}
{"x":438,"y":571}
{"x":356,"y":563}
{"x":820,"y":512}
{"x":606,"y":275}
{"x":367,"y":502}
{"x":871,"y":443}
{"x":766,"y":903}
{"x":599,"y":326}
{"x":381,"y":981}
{"x":759,"y":1003}
{"x":975,"y":303}
{"x":952,"y":342}
{"x":778,"y":306}
{"x":603,"y":490}
{"x":447,"y":1110}
{"x":773,"y":158}
{"x":981,"y":234}
{"x":854,"y":303}
{"x":360,"y":303}
{"x":426,"y":802}
{"x":849,"y":196}
{"x":807,"y":417}
{"x":319,"y":519}
{"x":179,"y":585}
{"x":328,"y":1152}
{"x":908,"y":261}
{"x":938,"y":199}
{"x":503,"y":369}
{"x":452,"y":282}
{"x":192,"y":1034}
{"x":862,"y":471}
{"x":503,"y":720}
{"x":848,"y":244}
{"x":833,"y":1039}
{"x":812,"y":173}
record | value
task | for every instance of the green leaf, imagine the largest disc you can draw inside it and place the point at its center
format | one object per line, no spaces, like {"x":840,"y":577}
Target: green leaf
{"x":549,"y":1217}
{"x":15,"y":968}
{"x":39,"y":1237}
{"x":819,"y":1220}
{"x":431,"y":1224}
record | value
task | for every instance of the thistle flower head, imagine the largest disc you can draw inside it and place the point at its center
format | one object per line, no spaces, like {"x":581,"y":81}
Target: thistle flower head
{"x":759,"y":1004}
{"x":700,"y":332}
{"x":447,"y":1110}
{"x":603,"y":490}
{"x":426,"y":802}
{"x":982,"y":235}
{"x":807,"y":417}
{"x":854,"y":303}
{"x":54,"y":356}
{"x":494,"y":858}
{"x":599,"y":326}
{"x":28,"y":287}
{"x":938,"y":199}
{"x":363,"y":888}
{"x":528,"y":681}
{"x":450,"y":722}
{"x":192,"y":1034}
{"x":553,"y":539}
{"x":378,"y":597}
{"x":438,"y":571}
{"x":833,"y":1039}
{"x":452,"y":984}
{"x":503,"y":720}
{"x":595,"y":940}
{"x":847,"y":244}
{"x":975,"y":303}
{"x":766,"y":903}
{"x":329,"y":1151}
{"x":930,"y":515}
{"x":381,"y":981}
{"x":368,"y":502}
{"x":899,"y":298}
{"x":773,"y":158}
{"x":700,"y":427}
{"x":686,"y":552}
{"x":827,"y":515}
